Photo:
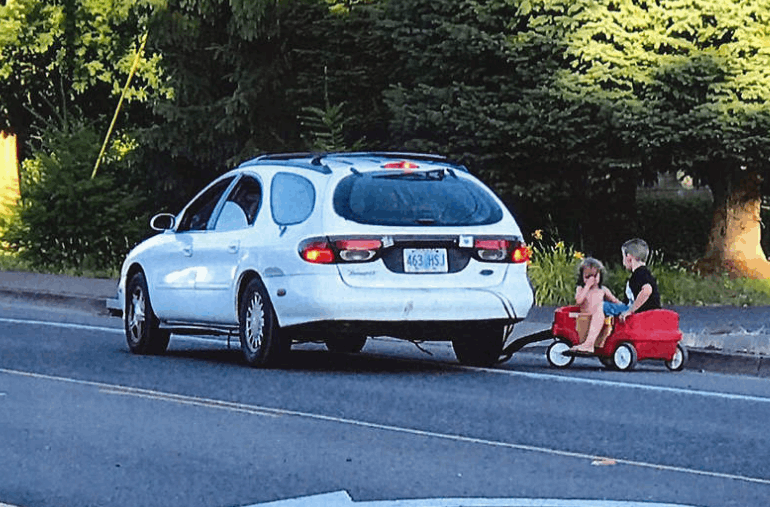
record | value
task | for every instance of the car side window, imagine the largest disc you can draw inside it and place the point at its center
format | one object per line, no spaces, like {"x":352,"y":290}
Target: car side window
{"x":292,"y":198}
{"x":198,"y":213}
{"x":240,"y":209}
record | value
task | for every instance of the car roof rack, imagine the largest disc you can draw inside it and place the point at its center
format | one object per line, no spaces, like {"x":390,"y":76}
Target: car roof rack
{"x":314,"y":160}
{"x":427,"y":157}
{"x":297,"y":159}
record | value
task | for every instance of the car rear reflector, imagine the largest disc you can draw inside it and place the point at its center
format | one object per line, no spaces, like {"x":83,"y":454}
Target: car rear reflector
{"x":491,"y":244}
{"x":358,"y":244}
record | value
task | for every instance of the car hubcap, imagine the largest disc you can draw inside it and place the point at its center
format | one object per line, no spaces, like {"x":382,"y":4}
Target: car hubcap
{"x":136,"y":315}
{"x":622,"y":357}
{"x":255,"y":321}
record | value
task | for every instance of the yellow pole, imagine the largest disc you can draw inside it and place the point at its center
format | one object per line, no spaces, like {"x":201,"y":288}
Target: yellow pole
{"x":9,"y":173}
{"x":120,"y":103}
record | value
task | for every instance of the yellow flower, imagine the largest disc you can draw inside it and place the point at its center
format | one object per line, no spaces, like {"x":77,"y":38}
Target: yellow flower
{"x":578,"y":255}
{"x":560,"y":245}
{"x":538,"y":234}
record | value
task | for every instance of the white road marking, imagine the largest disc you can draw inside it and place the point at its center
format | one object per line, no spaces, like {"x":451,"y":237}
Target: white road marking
{"x":630,"y":385}
{"x":65,"y":325}
{"x":261,"y":410}
{"x":189,"y":400}
{"x":342,"y":499}
{"x":514,"y":373}
{"x":118,"y":330}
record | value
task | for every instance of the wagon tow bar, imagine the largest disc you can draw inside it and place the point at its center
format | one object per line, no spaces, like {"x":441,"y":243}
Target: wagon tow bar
{"x":522,"y":342}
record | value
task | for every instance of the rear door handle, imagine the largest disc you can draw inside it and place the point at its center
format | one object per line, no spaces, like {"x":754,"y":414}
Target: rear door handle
{"x":187,"y":250}
{"x":233,"y":247}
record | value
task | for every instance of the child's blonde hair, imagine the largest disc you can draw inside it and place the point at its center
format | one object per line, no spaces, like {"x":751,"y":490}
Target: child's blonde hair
{"x":590,"y":263}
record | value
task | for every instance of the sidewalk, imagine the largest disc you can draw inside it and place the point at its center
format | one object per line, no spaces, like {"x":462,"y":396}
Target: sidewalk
{"x":82,"y":293}
{"x":725,"y":339}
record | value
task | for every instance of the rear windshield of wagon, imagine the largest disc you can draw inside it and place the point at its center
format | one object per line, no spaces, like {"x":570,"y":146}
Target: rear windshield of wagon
{"x":418,"y":198}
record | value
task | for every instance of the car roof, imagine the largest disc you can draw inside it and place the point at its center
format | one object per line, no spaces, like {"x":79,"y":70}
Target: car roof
{"x":329,"y":162}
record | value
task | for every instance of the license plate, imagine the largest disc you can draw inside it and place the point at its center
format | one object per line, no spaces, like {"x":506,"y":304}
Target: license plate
{"x":425,"y":260}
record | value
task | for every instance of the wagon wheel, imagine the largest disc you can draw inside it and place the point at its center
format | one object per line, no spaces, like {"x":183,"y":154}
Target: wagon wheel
{"x":677,"y":362}
{"x":624,"y":357}
{"x":556,"y":353}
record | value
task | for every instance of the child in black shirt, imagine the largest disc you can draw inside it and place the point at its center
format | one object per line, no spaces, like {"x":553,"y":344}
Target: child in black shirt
{"x":641,"y":288}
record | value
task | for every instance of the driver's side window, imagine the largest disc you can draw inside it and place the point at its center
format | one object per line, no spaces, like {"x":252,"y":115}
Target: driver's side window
{"x":240,"y":209}
{"x":198,"y":213}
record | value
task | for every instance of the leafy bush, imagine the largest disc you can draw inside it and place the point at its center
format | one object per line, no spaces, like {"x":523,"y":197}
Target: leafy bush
{"x":679,"y":228}
{"x":553,"y":270}
{"x":65,"y":220}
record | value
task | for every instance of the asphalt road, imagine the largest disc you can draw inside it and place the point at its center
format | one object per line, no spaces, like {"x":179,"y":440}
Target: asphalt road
{"x":84,"y":422}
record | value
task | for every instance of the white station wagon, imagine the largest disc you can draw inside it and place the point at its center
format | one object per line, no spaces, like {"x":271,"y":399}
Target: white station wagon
{"x":336,"y":248}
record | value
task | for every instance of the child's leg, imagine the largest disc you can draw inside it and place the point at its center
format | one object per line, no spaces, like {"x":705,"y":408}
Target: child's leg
{"x":596,"y":308}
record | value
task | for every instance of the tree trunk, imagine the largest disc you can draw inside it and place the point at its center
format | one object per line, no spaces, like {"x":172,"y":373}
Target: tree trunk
{"x":734,"y":242}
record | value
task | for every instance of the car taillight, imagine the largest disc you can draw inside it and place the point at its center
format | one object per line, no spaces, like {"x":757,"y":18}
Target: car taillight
{"x":403,"y":164}
{"x":358,"y":250}
{"x":521,"y":253}
{"x":317,"y":252}
{"x":501,"y":250}
{"x":335,"y":250}
{"x":494,"y":250}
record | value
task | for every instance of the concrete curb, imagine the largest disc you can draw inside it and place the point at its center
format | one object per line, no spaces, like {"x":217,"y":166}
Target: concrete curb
{"x":75,"y":301}
{"x":736,"y":364}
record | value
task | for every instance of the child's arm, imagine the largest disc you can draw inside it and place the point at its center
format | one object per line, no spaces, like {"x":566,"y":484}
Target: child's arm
{"x":641,"y":298}
{"x":581,"y":293}
{"x":609,"y":296}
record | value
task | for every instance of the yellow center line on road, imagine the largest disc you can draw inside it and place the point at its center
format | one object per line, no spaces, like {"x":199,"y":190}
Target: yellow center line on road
{"x":260,"y":410}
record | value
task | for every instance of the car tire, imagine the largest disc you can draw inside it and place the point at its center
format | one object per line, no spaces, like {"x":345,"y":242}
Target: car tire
{"x":143,"y":334}
{"x":556,"y":354}
{"x":624,"y":357}
{"x":347,"y":344}
{"x":260,"y":339}
{"x":481,"y":345}
{"x":677,"y":362}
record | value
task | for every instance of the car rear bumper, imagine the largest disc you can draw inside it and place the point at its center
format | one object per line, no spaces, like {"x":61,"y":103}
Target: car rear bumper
{"x":318,"y":299}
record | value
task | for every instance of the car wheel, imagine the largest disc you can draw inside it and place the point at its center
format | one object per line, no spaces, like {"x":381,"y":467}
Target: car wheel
{"x":556,"y":354}
{"x":349,"y":344}
{"x":680,"y":358}
{"x":624,"y":357}
{"x":480,"y":346}
{"x":261,"y":343}
{"x":142,"y":326}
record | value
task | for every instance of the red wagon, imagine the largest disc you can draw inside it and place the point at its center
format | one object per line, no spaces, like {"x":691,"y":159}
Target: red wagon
{"x":653,"y":334}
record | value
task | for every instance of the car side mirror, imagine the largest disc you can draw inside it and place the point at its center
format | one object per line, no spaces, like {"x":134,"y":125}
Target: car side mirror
{"x":163,"y":222}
